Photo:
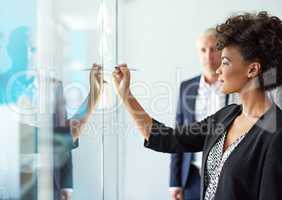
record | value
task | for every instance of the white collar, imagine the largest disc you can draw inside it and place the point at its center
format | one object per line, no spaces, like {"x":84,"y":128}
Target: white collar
{"x":204,"y":84}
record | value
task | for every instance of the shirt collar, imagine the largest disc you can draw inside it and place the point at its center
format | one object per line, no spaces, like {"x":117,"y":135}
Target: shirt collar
{"x":204,"y":84}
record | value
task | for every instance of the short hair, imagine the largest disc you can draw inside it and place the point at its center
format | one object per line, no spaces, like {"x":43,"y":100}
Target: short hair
{"x":210,"y":32}
{"x":258,"y":37}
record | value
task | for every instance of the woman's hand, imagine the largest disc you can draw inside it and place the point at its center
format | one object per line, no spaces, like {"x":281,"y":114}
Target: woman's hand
{"x":96,"y":84}
{"x":121,"y":77}
{"x":96,"y":89}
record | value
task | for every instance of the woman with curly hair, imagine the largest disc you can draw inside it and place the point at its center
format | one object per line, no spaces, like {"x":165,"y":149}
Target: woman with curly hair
{"x":241,"y":144}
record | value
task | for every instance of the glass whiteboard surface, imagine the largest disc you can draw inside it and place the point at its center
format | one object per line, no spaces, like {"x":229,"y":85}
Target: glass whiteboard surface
{"x":84,"y":34}
{"x":9,"y":156}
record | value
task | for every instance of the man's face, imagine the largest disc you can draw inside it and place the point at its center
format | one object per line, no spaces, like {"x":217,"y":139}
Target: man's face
{"x":210,"y":57}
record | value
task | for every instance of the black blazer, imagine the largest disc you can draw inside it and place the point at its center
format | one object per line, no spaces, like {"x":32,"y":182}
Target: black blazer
{"x":185,"y":113}
{"x":254,"y":168}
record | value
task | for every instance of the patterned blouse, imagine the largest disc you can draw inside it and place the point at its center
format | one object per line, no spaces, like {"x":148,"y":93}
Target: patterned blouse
{"x":215,"y":162}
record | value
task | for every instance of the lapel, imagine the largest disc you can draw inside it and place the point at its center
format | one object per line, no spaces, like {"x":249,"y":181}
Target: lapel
{"x":191,"y":102}
{"x":228,"y":119}
{"x":225,"y":122}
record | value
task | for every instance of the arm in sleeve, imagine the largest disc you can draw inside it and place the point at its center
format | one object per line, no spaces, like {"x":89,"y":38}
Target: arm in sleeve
{"x":189,"y":137}
{"x":272,"y":172}
{"x":184,"y":138}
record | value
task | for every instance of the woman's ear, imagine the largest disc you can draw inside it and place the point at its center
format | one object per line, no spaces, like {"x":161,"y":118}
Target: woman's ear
{"x":254,"y":70}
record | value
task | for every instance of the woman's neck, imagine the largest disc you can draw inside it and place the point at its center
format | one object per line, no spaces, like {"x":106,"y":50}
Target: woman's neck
{"x":255,"y":103}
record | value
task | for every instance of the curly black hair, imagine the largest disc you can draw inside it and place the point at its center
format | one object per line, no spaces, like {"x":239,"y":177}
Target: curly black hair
{"x":258,"y":36}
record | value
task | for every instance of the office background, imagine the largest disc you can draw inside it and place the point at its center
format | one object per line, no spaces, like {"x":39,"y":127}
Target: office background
{"x":156,"y":37}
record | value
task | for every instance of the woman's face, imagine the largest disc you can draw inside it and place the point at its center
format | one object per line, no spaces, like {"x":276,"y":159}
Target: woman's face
{"x":233,"y":71}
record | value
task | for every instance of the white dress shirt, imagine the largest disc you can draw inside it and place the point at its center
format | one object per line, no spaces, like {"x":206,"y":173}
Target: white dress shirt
{"x":209,"y":100}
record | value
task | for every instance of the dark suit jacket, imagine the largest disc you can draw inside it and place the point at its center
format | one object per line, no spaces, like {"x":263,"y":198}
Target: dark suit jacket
{"x":254,"y":169}
{"x":181,"y":162}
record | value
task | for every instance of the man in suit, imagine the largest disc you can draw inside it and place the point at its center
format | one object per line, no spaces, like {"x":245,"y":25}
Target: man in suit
{"x":199,"y":97}
{"x":65,"y":131}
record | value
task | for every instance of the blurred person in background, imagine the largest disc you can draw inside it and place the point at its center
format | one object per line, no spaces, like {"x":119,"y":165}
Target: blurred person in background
{"x":241,"y":144}
{"x":199,"y":97}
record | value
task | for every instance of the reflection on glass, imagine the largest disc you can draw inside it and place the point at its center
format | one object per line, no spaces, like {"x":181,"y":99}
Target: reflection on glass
{"x":77,"y":37}
{"x":83,"y":33}
{"x":86,"y":34}
{"x":16,"y":49}
{"x":105,"y":25}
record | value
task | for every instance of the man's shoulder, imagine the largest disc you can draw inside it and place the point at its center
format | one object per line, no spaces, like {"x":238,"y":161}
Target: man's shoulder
{"x":190,"y":81}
